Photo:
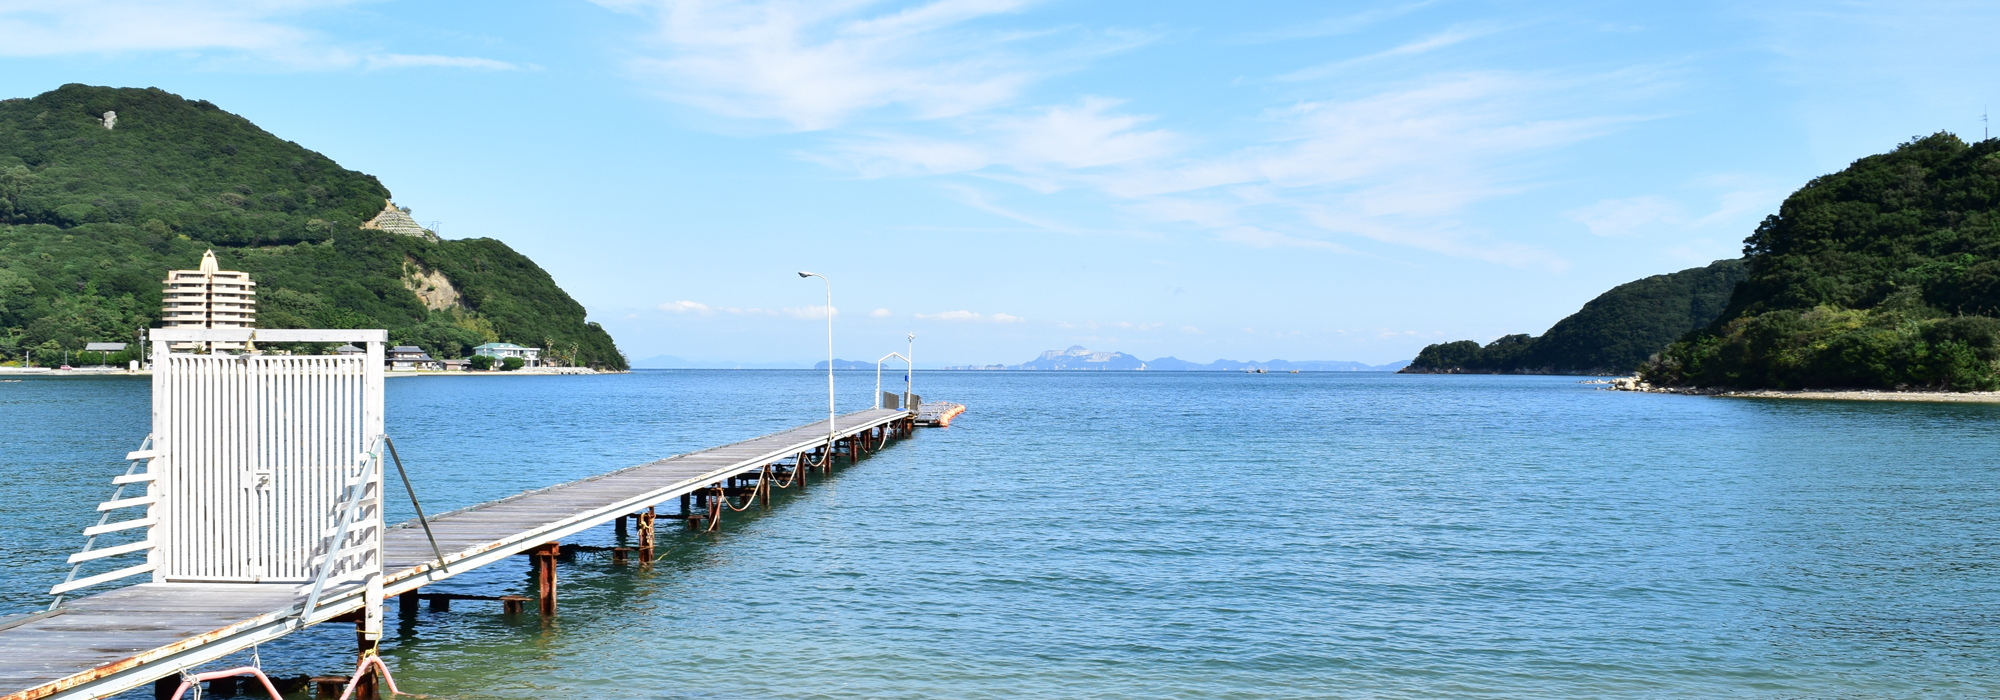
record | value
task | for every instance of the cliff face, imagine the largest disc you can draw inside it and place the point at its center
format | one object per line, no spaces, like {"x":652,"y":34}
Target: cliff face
{"x":91,"y":218}
{"x":1614,"y":333}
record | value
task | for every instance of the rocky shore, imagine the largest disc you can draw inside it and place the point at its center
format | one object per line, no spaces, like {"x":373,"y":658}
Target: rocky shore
{"x":1634,"y":383}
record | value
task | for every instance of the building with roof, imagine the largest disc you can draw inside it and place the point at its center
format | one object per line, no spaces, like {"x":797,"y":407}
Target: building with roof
{"x":410,"y":357}
{"x":501,"y":351}
{"x":209,"y":297}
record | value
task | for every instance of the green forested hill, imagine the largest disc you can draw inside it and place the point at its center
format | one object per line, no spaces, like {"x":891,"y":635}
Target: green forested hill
{"x":1886,"y":275}
{"x":1614,"y":333}
{"x":92,"y":218}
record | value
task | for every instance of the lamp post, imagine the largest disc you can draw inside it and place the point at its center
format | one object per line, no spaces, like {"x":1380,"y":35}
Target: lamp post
{"x":909,"y":377}
{"x":829,"y":360}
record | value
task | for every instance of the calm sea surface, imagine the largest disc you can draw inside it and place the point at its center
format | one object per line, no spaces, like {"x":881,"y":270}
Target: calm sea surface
{"x":1211,"y":535}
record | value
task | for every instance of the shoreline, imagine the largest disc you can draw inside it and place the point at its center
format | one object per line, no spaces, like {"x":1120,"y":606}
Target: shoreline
{"x":1634,"y":384}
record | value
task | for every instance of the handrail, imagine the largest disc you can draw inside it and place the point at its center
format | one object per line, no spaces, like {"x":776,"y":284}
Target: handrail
{"x":143,"y":454}
{"x":414,"y":504}
{"x":349,"y":504}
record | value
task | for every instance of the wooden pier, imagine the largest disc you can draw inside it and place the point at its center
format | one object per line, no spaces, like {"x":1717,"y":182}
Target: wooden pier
{"x":133,"y":636}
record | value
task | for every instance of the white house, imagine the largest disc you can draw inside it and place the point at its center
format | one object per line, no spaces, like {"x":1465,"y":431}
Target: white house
{"x":410,"y":357}
{"x":501,"y":351}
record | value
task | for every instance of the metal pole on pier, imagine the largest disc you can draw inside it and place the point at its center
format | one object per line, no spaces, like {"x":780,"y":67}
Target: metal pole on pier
{"x":829,"y":360}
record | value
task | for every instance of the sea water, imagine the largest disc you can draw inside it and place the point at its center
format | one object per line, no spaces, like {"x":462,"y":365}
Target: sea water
{"x":1213,"y":535}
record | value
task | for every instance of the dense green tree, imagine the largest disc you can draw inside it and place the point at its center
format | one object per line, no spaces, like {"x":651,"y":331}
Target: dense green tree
{"x":92,"y":218}
{"x":481,"y":362}
{"x":1885,"y":274}
{"x":509,"y":364}
{"x":1615,"y":333}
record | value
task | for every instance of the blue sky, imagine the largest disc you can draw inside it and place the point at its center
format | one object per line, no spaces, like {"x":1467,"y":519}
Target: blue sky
{"x":1206,"y":180}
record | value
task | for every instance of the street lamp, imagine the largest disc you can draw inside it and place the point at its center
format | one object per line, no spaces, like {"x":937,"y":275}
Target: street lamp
{"x":910,"y":376}
{"x":829,"y":360}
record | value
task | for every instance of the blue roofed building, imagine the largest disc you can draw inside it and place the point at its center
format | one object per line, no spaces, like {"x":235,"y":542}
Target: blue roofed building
{"x":501,"y":351}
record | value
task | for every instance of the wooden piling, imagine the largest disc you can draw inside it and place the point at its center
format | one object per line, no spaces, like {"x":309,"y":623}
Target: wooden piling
{"x":646,"y":537}
{"x":764,"y":488}
{"x":544,"y":564}
{"x":324,"y":687}
{"x":364,"y":686}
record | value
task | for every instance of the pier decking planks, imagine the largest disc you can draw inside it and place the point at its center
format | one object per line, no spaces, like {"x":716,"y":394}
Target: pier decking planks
{"x":111,"y":628}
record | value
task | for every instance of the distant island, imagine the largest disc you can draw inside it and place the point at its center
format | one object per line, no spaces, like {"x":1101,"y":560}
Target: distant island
{"x":1080,"y":358}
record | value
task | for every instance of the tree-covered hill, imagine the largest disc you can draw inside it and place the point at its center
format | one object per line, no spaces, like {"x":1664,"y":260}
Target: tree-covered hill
{"x":1612,"y":334}
{"x":1885,"y":275}
{"x":92,"y":218}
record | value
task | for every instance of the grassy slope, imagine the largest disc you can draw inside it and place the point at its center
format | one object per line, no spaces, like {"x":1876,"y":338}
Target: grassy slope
{"x":91,"y":219}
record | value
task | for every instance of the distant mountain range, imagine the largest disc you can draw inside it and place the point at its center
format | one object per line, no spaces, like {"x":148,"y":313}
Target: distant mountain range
{"x":1078,"y":357}
{"x":1075,"y":358}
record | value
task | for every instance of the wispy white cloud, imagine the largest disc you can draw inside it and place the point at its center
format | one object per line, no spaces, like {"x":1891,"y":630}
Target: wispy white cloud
{"x":1449,"y":37}
{"x":880,"y":313}
{"x":1394,"y":164}
{"x":271,"y":34}
{"x":810,"y":312}
{"x":1060,"y":138}
{"x":112,"y":26}
{"x":686,"y":307}
{"x":816,"y":64}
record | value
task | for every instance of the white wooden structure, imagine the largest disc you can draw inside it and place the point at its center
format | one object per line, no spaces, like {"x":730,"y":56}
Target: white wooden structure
{"x":260,"y":469}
